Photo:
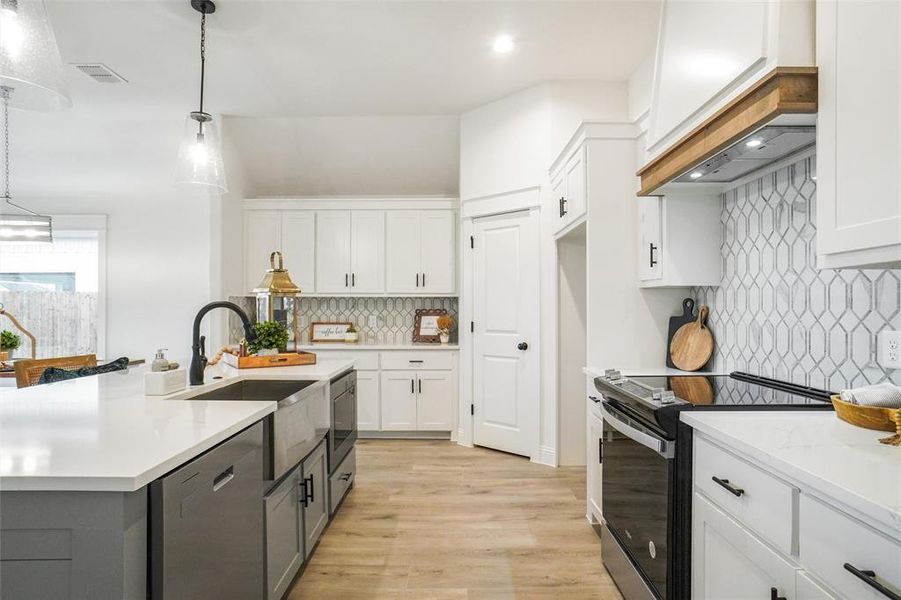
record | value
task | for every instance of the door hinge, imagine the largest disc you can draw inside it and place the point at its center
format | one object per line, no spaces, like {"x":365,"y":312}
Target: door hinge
{"x":472,"y":326}
{"x":472,"y":241}
{"x":472,"y":409}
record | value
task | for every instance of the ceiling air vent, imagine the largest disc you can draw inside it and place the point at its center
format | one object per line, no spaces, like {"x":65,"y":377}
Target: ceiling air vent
{"x":100,"y":72}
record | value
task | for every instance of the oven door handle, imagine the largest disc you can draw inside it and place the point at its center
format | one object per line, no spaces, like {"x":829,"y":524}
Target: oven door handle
{"x":626,"y":426}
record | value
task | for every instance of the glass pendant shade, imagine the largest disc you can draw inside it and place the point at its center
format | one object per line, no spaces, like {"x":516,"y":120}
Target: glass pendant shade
{"x":29,"y":57}
{"x":200,"y":154}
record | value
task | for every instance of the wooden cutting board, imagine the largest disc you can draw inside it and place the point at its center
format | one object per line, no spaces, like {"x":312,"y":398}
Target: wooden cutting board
{"x":688,"y":315}
{"x":692,"y":345}
{"x":696,"y":390}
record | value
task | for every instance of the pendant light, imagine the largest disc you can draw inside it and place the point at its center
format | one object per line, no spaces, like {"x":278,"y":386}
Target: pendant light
{"x":199,"y":154}
{"x":29,"y":57}
{"x":17,"y":223}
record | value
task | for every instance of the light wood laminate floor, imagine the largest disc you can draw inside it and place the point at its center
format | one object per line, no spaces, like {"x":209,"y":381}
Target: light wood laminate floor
{"x":430,"y":519}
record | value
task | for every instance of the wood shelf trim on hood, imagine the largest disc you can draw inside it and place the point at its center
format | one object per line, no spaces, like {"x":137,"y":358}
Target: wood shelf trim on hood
{"x":784,"y":90}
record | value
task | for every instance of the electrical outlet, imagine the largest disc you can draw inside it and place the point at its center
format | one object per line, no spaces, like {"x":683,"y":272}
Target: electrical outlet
{"x":890,"y":349}
{"x":373,"y":321}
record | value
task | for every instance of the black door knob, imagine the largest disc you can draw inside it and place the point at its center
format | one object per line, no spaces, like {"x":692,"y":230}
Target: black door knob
{"x":523,"y":346}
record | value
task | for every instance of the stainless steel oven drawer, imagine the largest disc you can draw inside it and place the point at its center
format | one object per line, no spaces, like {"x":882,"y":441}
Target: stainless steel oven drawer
{"x":342,"y":480}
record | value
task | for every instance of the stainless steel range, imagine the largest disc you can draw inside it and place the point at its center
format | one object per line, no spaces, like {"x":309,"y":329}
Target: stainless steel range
{"x":646,"y":474}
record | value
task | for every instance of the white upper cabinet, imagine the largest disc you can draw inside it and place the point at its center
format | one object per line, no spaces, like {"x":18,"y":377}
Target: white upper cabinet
{"x":679,"y":241}
{"x":350,"y":251}
{"x":333,"y":251}
{"x":262,"y":237}
{"x":367,"y":251}
{"x":710,"y":51}
{"x":421,"y":250}
{"x":859,"y":134}
{"x":299,"y":248}
{"x":568,"y":186}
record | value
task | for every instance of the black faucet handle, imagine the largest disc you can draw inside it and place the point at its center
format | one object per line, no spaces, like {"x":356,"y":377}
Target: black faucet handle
{"x":203,"y":348}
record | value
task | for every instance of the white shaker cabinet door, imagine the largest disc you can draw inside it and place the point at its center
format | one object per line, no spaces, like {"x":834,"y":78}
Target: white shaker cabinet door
{"x":367,"y":265}
{"x":574,"y":206}
{"x":299,"y":248}
{"x":438,"y":234}
{"x":368,"y":409}
{"x":649,"y":234}
{"x":435,"y":402}
{"x":333,"y":251}
{"x":262,"y":237}
{"x":728,"y":561}
{"x":399,"y":401}
{"x":403,"y":247}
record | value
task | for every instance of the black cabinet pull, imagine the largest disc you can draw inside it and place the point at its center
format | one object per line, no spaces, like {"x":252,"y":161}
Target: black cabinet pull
{"x":423,"y":280}
{"x":729,"y":488}
{"x":600,"y":451}
{"x":420,"y":386}
{"x":346,"y":476}
{"x":312,"y":497}
{"x":345,"y":280}
{"x":417,"y":280}
{"x":416,"y":362}
{"x":869,"y":578}
{"x":774,"y":595}
{"x":353,"y":279}
{"x":594,"y":399}
{"x":651,"y":253}
{"x":306,"y":492}
{"x":412,"y":386}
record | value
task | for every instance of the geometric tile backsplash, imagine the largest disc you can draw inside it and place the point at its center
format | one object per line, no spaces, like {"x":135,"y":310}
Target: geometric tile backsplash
{"x":774,"y":313}
{"x":393,"y":315}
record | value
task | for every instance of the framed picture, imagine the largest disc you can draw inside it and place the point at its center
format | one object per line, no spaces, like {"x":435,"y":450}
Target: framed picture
{"x":425,"y":327}
{"x":328,"y":332}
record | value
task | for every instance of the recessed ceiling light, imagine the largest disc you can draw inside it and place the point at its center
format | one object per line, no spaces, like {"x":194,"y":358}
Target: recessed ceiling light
{"x":503,"y":44}
{"x":753,"y":143}
{"x":696,"y":174}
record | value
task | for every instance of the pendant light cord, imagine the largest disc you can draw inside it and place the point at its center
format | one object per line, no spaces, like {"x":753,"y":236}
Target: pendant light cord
{"x":4,"y":94}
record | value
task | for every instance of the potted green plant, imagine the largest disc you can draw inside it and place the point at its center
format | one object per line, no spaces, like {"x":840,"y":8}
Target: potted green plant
{"x":272,"y":337}
{"x":9,"y":341}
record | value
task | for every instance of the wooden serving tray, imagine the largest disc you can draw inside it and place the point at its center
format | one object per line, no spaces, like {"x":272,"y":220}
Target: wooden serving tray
{"x":870,"y":417}
{"x":285,"y":359}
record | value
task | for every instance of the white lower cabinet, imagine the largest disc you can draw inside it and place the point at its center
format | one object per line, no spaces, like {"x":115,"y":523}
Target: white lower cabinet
{"x":368,"y":410}
{"x":434,"y":401}
{"x":728,"y":561}
{"x":593,"y":460}
{"x":738,"y":541}
{"x":398,"y":401}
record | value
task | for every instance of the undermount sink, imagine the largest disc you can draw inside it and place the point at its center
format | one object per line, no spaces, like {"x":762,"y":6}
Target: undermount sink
{"x":255,"y":389}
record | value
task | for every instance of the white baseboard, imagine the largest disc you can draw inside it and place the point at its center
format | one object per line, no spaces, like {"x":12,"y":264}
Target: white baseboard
{"x":404,"y":435}
{"x":547,"y":455}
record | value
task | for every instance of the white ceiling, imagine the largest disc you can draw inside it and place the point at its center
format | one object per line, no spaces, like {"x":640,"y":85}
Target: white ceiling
{"x":275,"y":58}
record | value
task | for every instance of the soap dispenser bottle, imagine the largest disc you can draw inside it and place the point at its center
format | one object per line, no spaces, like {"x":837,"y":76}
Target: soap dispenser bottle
{"x":159,"y":362}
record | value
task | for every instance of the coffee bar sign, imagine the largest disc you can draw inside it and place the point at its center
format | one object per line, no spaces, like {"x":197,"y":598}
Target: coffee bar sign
{"x":328,"y":332}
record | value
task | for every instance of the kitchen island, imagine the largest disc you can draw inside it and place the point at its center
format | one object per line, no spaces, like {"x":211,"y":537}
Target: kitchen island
{"x":76,"y":458}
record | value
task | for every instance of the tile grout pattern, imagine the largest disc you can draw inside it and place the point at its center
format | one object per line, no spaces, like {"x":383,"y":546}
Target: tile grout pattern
{"x":774,"y":313}
{"x":394,"y":315}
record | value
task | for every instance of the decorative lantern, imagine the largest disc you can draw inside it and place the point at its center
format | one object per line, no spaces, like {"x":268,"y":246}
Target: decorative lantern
{"x":278,"y":298}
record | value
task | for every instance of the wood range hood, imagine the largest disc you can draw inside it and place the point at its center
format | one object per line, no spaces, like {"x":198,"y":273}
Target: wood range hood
{"x":772,"y":119}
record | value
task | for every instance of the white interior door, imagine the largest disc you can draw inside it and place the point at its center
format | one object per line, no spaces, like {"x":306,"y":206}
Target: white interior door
{"x":438,"y":249}
{"x":367,"y":270}
{"x":333,"y":251}
{"x":403,"y":251}
{"x":299,"y":247}
{"x":505,"y":340}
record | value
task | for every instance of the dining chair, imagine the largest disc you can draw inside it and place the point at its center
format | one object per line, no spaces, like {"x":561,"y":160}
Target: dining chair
{"x":29,"y":371}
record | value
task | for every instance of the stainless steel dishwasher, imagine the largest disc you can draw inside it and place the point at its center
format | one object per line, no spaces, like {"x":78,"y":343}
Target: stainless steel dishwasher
{"x":206,"y":524}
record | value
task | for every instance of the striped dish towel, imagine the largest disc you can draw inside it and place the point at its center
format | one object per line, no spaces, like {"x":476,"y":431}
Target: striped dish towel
{"x":884,"y":395}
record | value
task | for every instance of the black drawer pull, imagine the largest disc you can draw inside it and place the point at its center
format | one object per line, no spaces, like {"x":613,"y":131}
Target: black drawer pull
{"x":869,"y":578}
{"x":346,"y":476}
{"x":774,"y":595}
{"x":418,"y":362}
{"x":729,"y":488}
{"x":594,"y":399}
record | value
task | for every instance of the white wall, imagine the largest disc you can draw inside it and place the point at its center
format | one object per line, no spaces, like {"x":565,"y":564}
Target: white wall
{"x":572,"y":337}
{"x":346,"y":156}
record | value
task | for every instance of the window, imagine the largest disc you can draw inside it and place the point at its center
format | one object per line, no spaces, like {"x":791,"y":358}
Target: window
{"x":55,"y":291}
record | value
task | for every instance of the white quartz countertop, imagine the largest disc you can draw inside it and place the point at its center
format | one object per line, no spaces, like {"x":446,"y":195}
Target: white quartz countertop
{"x":362,"y":346}
{"x":652,"y":372}
{"x":102,"y":433}
{"x":840,"y":462}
